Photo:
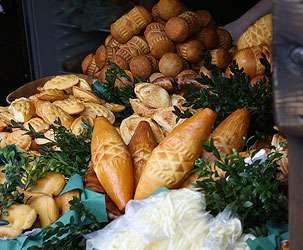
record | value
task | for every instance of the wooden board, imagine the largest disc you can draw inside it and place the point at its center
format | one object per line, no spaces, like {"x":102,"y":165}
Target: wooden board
{"x":288,"y":93}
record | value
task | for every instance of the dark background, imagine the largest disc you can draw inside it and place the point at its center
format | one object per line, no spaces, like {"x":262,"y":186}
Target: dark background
{"x":14,"y":58}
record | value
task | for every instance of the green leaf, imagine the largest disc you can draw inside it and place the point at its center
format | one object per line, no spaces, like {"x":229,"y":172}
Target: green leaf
{"x":226,"y":95}
{"x":251,"y":191}
{"x":248,"y":204}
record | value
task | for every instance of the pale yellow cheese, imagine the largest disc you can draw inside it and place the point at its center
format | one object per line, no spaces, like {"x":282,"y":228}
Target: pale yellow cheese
{"x":170,"y":220}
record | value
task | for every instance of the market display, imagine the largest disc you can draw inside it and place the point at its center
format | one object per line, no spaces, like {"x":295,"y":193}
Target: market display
{"x":173,"y":104}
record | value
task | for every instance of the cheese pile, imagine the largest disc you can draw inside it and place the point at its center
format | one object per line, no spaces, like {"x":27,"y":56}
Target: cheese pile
{"x":170,"y":220}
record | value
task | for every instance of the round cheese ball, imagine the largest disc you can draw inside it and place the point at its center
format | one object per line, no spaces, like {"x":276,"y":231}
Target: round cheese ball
{"x":171,"y":64}
{"x":140,"y":66}
{"x":177,"y":29}
{"x":169,"y":8}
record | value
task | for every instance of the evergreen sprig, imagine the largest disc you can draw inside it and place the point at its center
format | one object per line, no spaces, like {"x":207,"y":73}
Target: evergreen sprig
{"x":226,"y":95}
{"x":250,"y":190}
{"x":180,"y":114}
{"x":111,"y":93}
{"x":67,"y":154}
{"x":20,"y":171}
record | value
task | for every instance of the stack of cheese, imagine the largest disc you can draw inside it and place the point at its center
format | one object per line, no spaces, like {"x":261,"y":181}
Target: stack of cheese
{"x":162,"y":43}
{"x":171,"y":220}
{"x":254,"y":41}
{"x":43,"y":205}
{"x":67,"y":97}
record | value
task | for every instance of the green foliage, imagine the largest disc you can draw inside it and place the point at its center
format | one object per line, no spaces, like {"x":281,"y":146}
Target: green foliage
{"x":111,"y":93}
{"x":67,"y":154}
{"x":180,"y":115}
{"x":226,"y":95}
{"x":250,"y":190}
{"x":20,"y":171}
{"x":70,"y":235}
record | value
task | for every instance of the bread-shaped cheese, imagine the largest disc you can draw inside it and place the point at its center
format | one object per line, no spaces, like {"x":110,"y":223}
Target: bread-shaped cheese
{"x":185,"y":80}
{"x":191,"y":50}
{"x":71,"y":106}
{"x":136,"y":46}
{"x":140,"y":66}
{"x":3,"y":125}
{"x":23,"y":109}
{"x":6,"y":116}
{"x":171,"y":64}
{"x":3,"y":137}
{"x":166,"y":118}
{"x":130,"y":24}
{"x":91,"y":181}
{"x":193,"y":21}
{"x":208,"y":36}
{"x":158,"y":41}
{"x":152,"y":95}
{"x":50,"y":113}
{"x":85,"y":95}
{"x":141,"y":109}
{"x":129,"y":125}
{"x":19,"y":217}
{"x":177,"y":29}
{"x":205,"y":17}
{"x":249,"y":59}
{"x":225,"y":40}
{"x":155,"y":11}
{"x":52,"y":95}
{"x":49,"y":136}
{"x":104,"y":53}
{"x":153,"y":62}
{"x":220,"y":57}
{"x":140,"y":147}
{"x":2,"y":175}
{"x":155,"y":76}
{"x":259,"y":33}
{"x":169,"y":83}
{"x":283,"y":162}
{"x":83,"y":84}
{"x":110,"y":41}
{"x":46,"y":208}
{"x":173,"y":159}
{"x":226,"y":136}
{"x":114,"y":107}
{"x":20,"y":139}
{"x":61,"y":82}
{"x":120,"y":61}
{"x":94,"y":110}
{"x":183,"y":26}
{"x":112,"y":162}
{"x":77,"y":126}
{"x":169,"y":8}
{"x":88,"y":64}
{"x":52,"y":184}
{"x":125,"y":53}
{"x":38,"y":124}
{"x":62,"y":201}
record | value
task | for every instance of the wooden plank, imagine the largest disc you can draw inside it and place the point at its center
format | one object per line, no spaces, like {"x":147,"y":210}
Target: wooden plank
{"x":288,"y":104}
